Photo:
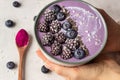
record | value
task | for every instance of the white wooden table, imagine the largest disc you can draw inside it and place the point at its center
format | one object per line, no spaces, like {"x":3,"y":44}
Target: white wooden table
{"x":23,"y":17}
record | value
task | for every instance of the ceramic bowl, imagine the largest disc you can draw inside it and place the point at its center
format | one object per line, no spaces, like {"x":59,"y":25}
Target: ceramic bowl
{"x":91,"y":26}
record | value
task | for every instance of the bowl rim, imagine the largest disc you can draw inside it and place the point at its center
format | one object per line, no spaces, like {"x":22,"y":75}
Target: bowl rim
{"x":49,"y":57}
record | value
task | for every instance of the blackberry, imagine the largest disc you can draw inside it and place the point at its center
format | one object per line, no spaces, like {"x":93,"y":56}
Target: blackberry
{"x":49,"y":15}
{"x":47,"y":39}
{"x":60,"y":37}
{"x":43,"y":27}
{"x":72,"y":44}
{"x":56,"y":48}
{"x":66,"y":53}
{"x":55,"y":27}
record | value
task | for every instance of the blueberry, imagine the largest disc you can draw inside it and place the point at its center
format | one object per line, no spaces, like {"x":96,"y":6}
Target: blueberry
{"x":9,"y":23}
{"x":44,"y":69}
{"x":71,"y":34}
{"x":79,"y":53}
{"x":66,"y":25}
{"x":10,"y":65}
{"x":61,"y":16}
{"x":16,"y":4}
{"x":56,"y":8}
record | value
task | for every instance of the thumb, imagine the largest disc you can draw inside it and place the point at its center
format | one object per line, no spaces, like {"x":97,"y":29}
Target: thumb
{"x":61,"y":70}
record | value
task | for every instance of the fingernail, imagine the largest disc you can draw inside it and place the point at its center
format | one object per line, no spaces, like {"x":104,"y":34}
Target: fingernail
{"x":49,"y":66}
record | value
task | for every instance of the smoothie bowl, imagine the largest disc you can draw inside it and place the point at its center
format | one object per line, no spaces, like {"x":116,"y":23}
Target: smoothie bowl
{"x":70,"y":32}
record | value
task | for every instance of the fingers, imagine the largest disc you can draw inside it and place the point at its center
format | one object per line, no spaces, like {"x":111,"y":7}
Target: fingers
{"x":112,"y":44}
{"x":104,"y":14}
{"x":67,"y":79}
{"x":71,"y":73}
{"x":61,"y":70}
{"x":107,"y":18}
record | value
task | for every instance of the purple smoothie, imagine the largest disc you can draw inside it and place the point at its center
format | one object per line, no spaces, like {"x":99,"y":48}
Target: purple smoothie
{"x":91,"y":28}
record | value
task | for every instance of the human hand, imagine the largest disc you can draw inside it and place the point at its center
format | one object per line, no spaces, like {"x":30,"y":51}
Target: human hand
{"x":113,"y":42}
{"x":104,"y":67}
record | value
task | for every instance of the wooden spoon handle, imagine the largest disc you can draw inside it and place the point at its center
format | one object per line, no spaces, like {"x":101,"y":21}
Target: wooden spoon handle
{"x":20,"y":71}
